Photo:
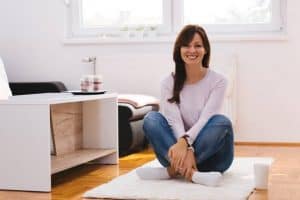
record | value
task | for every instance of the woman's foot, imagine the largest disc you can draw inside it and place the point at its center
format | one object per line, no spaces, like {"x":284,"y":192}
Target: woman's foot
{"x":161,"y":173}
{"x":156,"y":173}
{"x":153,"y":173}
{"x":207,"y":178}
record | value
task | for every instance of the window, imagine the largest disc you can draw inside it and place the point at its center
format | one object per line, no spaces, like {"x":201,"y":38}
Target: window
{"x":93,"y":17}
{"x":234,"y":15}
{"x":115,"y":13}
{"x":111,"y":18}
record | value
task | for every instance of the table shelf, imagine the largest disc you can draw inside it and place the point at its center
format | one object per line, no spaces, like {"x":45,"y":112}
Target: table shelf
{"x":66,"y":161}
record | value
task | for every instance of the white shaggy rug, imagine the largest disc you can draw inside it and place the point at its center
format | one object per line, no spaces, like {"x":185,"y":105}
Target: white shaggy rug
{"x":237,"y":183}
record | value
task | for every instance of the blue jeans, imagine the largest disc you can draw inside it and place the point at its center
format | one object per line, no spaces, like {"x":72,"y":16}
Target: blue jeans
{"x":213,"y":146}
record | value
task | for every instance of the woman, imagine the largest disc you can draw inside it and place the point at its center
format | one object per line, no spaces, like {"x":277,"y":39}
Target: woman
{"x":190,"y":137}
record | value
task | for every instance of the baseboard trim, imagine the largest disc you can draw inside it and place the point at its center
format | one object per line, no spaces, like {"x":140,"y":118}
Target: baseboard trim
{"x":291,"y":144}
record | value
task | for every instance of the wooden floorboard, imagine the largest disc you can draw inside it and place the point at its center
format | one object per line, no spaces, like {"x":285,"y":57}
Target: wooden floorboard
{"x":284,"y":182}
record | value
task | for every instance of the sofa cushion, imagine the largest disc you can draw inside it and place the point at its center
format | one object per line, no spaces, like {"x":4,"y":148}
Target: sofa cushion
{"x":138,"y":100}
{"x":4,"y":87}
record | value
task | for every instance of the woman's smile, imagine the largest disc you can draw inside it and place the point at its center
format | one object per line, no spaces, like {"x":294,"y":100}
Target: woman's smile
{"x":191,"y":57}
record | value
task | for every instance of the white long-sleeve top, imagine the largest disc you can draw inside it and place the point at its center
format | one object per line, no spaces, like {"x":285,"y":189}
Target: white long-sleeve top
{"x":198,"y":102}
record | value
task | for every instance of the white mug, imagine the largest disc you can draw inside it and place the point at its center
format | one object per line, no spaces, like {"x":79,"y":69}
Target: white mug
{"x":261,"y":175}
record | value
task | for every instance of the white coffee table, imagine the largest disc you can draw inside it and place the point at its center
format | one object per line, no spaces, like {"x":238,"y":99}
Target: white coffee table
{"x":25,"y":138}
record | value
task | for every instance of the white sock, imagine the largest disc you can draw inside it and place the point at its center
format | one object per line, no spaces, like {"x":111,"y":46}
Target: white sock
{"x":153,"y":173}
{"x":207,"y":178}
{"x":160,"y":173}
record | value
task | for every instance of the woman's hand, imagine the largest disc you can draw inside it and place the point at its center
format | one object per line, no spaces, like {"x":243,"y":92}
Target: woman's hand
{"x":177,"y":154}
{"x":189,"y":165}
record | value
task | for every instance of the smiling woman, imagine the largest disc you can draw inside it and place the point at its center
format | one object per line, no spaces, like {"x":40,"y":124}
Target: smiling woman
{"x":189,"y":136}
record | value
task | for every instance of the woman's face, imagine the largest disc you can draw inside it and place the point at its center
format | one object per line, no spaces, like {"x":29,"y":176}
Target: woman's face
{"x":194,"y":52}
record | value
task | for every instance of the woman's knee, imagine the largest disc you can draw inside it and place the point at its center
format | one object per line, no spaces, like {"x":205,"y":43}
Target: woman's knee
{"x":152,"y":120}
{"x":218,"y":127}
{"x":220,"y":120}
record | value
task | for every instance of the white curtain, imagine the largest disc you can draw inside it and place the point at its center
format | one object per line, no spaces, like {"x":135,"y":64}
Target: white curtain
{"x":4,"y":87}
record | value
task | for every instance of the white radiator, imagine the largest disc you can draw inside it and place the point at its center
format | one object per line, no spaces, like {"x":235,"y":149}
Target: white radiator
{"x":227,"y":65}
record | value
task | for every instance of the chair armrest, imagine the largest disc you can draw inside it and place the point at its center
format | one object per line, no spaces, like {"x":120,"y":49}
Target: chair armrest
{"x":19,"y":88}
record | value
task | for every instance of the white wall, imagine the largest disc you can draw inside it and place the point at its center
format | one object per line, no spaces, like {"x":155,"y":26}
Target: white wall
{"x":31,"y":34}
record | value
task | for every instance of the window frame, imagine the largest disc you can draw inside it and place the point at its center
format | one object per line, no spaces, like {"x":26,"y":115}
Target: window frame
{"x":173,"y":21}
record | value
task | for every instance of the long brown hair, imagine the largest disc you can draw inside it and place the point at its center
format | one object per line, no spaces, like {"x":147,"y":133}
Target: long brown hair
{"x":185,"y":36}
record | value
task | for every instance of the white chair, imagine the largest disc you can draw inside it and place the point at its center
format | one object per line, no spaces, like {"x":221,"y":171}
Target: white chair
{"x":5,"y":91}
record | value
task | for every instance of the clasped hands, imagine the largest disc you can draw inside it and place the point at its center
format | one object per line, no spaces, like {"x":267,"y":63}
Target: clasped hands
{"x":182,"y":160}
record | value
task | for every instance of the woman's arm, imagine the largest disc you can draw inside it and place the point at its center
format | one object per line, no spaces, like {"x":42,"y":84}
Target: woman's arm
{"x":172,"y":113}
{"x":171,"y":110}
{"x":212,"y":107}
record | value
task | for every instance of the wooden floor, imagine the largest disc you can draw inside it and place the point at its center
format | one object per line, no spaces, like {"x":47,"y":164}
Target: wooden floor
{"x":284,"y":182}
